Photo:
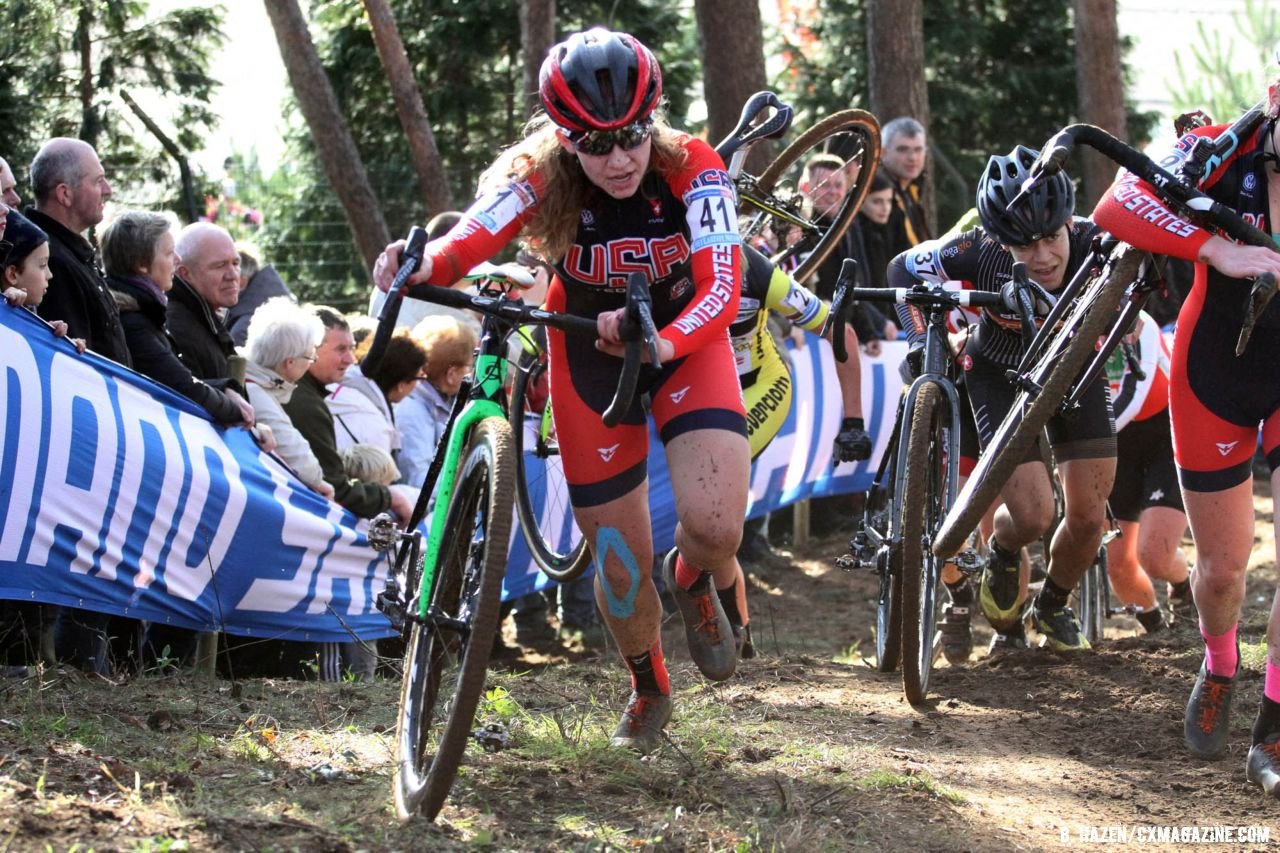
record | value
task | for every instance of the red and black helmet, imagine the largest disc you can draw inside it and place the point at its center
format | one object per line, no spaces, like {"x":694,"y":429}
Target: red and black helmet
{"x":599,"y":80}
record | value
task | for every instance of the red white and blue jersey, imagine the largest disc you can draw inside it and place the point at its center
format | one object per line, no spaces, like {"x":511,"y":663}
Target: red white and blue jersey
{"x":680,"y":229}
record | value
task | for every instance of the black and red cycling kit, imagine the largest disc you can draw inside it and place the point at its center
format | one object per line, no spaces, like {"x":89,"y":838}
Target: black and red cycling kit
{"x":1145,"y":474}
{"x":978,"y":261}
{"x":680,"y":230}
{"x":1216,"y":400}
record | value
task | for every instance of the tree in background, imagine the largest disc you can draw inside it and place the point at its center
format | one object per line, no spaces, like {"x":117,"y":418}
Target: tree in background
{"x":1100,"y":83}
{"x":732,"y":50}
{"x":1221,"y":77}
{"x":896,"y":73}
{"x":466,"y":58}
{"x":999,"y":73}
{"x":65,"y":63}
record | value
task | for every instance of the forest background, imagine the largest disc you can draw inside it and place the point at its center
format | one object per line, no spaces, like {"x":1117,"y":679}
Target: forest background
{"x":389,"y":109}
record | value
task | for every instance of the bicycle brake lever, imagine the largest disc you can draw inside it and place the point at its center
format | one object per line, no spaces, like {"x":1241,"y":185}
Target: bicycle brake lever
{"x":1264,"y":287}
{"x":638,"y":329}
{"x":1051,"y":160}
{"x":771,"y":128}
{"x":842,"y":308}
{"x":410,"y":261}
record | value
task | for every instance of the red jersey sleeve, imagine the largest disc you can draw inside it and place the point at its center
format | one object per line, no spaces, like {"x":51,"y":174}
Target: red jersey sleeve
{"x":493,"y":220}
{"x":1133,"y":212}
{"x":715,"y":248}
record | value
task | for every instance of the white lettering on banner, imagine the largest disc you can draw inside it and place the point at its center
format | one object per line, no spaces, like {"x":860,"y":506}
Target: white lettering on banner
{"x":288,"y":587}
{"x":149,"y":492}
{"x":21,"y":481}
{"x":204,"y":531}
{"x":80,"y":423}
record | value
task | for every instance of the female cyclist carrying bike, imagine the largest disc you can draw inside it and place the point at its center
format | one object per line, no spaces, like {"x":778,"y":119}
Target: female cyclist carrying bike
{"x":1217,"y":402}
{"x":1040,"y":232}
{"x":605,"y":186}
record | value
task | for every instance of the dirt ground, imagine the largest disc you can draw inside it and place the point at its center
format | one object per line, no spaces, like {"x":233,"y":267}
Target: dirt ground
{"x":806,"y":748}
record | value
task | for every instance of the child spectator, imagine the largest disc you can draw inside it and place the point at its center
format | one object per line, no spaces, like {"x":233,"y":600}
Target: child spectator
{"x":25,"y":270}
{"x":369,"y":462}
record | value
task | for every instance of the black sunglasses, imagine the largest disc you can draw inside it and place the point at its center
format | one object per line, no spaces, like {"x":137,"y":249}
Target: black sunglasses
{"x":600,"y":142}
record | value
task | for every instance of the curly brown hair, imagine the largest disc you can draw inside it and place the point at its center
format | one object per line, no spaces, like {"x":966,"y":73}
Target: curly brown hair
{"x":566,"y":190}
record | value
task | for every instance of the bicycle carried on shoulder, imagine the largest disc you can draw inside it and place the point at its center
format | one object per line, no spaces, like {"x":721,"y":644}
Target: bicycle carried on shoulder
{"x":446,"y":602}
{"x":1050,"y":376}
{"x":914,"y":486}
{"x":772,"y":201}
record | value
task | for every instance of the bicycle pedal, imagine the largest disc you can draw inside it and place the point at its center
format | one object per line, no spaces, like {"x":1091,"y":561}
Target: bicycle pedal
{"x":390,"y":604}
{"x":968,"y":561}
{"x":493,"y":737}
{"x":384,"y":532}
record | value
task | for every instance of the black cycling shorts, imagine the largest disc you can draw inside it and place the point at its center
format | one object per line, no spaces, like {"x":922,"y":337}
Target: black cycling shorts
{"x":1145,"y":473}
{"x":1086,"y":432}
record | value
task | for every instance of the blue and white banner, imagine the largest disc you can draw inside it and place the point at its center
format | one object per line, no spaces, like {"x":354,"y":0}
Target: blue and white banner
{"x":118,"y":495}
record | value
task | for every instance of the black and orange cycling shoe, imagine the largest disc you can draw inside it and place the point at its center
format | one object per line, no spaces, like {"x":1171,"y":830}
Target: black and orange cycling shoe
{"x":706,"y":627}
{"x":1207,"y":723}
{"x":1262,"y":767}
{"x":642,"y":722}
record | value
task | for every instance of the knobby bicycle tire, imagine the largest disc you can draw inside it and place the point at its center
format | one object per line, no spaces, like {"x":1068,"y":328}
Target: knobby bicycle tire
{"x":1093,"y":597}
{"x":863,"y":131}
{"x":445,"y":667}
{"x":924,"y":496}
{"x":561,"y":561}
{"x":889,"y":590}
{"x":1062,"y":360}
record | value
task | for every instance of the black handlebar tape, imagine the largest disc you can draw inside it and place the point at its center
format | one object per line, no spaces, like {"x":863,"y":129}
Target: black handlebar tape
{"x":410,"y":261}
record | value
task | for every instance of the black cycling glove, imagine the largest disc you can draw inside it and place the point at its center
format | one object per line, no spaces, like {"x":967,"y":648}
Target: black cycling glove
{"x":852,"y":442}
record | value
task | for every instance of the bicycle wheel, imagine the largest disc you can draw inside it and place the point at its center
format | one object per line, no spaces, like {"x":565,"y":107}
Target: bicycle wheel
{"x":924,"y":498}
{"x":1061,"y":362}
{"x":1093,"y":597}
{"x":542,"y":496}
{"x":448,"y":652}
{"x":774,"y":197}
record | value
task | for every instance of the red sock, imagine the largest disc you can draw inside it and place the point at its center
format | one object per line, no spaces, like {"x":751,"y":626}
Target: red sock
{"x":686,"y":575}
{"x":1220,"y":656}
{"x":1271,"y":687}
{"x":649,"y":671}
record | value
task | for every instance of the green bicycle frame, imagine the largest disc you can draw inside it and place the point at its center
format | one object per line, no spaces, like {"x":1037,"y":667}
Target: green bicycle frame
{"x":485,"y":394}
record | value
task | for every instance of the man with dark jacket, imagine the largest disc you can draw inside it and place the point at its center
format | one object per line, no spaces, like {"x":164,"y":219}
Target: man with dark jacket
{"x":307,"y":409}
{"x":207,"y":281}
{"x":70,"y":191}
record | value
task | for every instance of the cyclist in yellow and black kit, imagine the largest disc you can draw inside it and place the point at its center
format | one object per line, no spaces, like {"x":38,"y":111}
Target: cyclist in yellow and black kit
{"x":765,"y":376}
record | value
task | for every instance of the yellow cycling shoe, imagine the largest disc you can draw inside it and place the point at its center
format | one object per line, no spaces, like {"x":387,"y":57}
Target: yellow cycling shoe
{"x":998,"y":592}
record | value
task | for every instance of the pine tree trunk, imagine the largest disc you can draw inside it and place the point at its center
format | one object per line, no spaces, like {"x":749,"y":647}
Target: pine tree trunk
{"x":334,"y":143}
{"x":413,"y":116}
{"x":1100,"y":83}
{"x":537,"y":34}
{"x":895,"y":72}
{"x":732,"y":66}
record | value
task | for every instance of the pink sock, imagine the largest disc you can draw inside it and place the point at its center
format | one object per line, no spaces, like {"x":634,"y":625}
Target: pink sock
{"x":1220,"y":652}
{"x":1271,"y":687}
{"x":686,"y":575}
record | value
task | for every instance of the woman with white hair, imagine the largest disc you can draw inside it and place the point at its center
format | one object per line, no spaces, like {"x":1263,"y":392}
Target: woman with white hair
{"x":280,"y":346}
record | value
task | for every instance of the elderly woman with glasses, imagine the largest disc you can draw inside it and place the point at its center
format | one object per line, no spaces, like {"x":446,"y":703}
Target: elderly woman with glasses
{"x":280,"y":346}
{"x":362,"y":404}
